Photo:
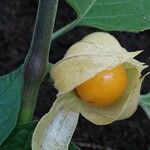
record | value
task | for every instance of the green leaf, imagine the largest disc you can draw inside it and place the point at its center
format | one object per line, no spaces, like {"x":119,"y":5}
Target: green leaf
{"x":145,"y":103}
{"x":10,"y":100}
{"x":110,"y":15}
{"x":72,"y":146}
{"x":20,"y":138}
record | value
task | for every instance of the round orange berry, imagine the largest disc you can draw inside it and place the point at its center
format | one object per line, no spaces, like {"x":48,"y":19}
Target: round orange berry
{"x":104,"y":88}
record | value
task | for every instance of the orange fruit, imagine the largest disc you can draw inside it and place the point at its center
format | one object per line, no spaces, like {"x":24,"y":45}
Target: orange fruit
{"x":104,"y":88}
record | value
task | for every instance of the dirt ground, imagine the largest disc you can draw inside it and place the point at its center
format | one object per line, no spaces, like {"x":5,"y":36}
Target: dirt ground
{"x":16,"y":26}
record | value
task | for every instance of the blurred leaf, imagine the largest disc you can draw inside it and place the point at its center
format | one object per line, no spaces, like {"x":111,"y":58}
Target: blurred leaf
{"x":20,"y":138}
{"x":72,"y":146}
{"x":110,"y":15}
{"x":145,"y":103}
{"x":10,"y":100}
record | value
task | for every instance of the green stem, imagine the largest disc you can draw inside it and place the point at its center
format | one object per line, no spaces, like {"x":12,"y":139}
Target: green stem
{"x":36,"y":63}
{"x":65,"y":29}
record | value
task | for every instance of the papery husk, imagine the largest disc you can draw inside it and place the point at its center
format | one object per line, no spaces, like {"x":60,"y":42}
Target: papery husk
{"x":54,"y":131}
{"x":93,"y":54}
{"x":97,"y":52}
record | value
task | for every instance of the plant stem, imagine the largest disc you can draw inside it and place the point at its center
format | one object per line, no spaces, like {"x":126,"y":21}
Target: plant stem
{"x":65,"y":29}
{"x":36,"y":62}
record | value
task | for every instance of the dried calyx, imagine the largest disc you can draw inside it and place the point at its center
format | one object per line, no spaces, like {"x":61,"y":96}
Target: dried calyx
{"x":94,"y":57}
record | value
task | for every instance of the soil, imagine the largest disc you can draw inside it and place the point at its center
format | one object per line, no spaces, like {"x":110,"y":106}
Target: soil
{"x":16,"y":27}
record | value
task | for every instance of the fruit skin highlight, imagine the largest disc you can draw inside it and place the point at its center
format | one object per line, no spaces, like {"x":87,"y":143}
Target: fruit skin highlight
{"x":104,"y":88}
